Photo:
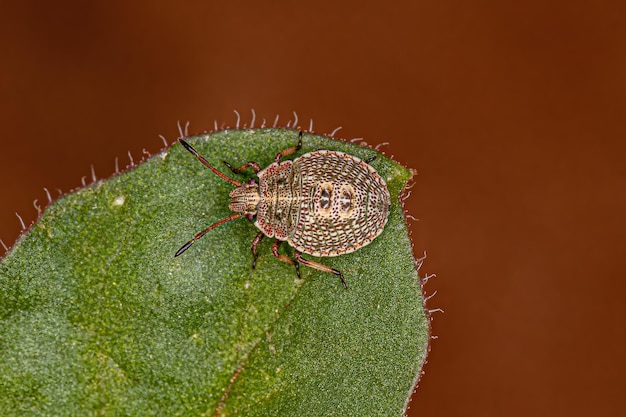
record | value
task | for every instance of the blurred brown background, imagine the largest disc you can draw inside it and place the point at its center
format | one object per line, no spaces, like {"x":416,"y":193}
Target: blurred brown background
{"x":513,"y":114}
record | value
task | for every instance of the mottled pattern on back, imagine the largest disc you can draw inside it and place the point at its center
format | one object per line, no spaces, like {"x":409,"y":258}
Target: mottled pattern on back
{"x":344,"y":203}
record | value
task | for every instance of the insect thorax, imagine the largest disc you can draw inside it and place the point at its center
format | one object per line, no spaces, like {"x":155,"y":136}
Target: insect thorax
{"x":280,"y":200}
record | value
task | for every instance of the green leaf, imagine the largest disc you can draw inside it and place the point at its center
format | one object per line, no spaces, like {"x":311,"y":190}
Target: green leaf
{"x":98,"y":317}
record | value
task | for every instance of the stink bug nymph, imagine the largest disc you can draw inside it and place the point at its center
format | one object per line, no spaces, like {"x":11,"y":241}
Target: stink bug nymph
{"x":323,"y":203}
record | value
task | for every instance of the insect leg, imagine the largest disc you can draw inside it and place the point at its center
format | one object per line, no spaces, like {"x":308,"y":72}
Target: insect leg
{"x":254,"y":247}
{"x":254,"y":165}
{"x":320,"y":267}
{"x":289,"y":151}
{"x":284,"y":258}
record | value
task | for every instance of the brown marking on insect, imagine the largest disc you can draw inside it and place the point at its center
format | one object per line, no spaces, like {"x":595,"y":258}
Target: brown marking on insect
{"x":322,"y":198}
{"x":347,"y":200}
{"x":323,"y":203}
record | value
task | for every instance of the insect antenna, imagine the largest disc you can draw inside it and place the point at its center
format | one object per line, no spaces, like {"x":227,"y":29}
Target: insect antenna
{"x":205,"y":231}
{"x":206,"y":163}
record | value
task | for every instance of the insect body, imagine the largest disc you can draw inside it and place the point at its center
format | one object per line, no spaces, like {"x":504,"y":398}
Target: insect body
{"x":323,"y":203}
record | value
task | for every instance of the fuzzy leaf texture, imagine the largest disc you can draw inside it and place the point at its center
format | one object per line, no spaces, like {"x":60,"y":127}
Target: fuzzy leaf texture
{"x":97,"y":317}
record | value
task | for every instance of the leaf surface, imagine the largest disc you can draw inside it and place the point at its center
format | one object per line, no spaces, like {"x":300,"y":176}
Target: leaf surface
{"x":98,"y":317}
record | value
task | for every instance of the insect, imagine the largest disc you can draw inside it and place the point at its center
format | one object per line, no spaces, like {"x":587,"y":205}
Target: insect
{"x":323,"y":203}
